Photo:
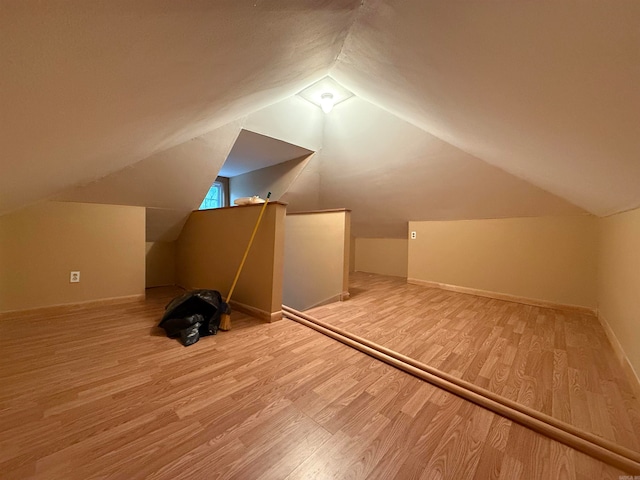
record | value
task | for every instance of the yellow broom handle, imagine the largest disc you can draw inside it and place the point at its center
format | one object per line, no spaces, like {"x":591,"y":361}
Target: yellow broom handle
{"x":246,"y":252}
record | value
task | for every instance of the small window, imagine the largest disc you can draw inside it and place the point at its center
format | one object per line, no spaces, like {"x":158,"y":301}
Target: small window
{"x":214,"y":197}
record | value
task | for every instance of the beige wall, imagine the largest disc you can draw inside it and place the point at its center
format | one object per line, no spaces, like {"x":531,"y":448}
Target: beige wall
{"x":551,"y":259}
{"x":352,"y":253}
{"x":316,"y":262}
{"x":619,"y":280}
{"x":160,"y":264}
{"x":40,"y":245}
{"x":275,"y":179}
{"x":386,"y":256}
{"x":211,"y":246}
{"x":346,"y":255}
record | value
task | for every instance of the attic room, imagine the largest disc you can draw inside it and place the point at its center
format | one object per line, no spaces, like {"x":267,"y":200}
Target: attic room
{"x":445,"y":280}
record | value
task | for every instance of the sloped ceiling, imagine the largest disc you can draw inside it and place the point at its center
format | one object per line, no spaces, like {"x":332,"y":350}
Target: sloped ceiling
{"x":90,"y":87}
{"x":178,"y":177}
{"x":170,"y":183}
{"x":415,"y":177}
{"x":545,"y":91}
{"x":292,"y":120}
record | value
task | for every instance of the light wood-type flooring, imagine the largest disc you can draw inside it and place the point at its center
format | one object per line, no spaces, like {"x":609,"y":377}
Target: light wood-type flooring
{"x":557,"y":362}
{"x":99,"y":392}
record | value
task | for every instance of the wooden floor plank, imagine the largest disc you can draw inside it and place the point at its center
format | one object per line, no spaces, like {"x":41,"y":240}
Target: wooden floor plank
{"x":558,"y":362}
{"x":272,"y":401}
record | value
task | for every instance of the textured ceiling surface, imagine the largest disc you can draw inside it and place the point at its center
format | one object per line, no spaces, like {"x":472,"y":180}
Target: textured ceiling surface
{"x":546,"y":90}
{"x":416,"y":177}
{"x":178,"y":177}
{"x":170,"y":183}
{"x":89,"y":87}
{"x":97,"y":98}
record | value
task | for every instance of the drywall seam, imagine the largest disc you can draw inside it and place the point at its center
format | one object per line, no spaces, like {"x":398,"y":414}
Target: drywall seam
{"x":347,"y":33}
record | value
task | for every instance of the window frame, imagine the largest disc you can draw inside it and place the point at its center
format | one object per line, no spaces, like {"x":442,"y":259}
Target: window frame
{"x":223,"y":191}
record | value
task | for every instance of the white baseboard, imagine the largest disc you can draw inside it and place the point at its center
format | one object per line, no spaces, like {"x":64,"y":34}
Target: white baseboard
{"x":256,"y":312}
{"x":85,"y":303}
{"x":502,"y":296}
{"x":629,"y":371}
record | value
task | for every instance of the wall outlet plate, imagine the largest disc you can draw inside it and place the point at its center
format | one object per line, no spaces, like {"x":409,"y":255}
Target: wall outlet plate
{"x":413,"y":235}
{"x":74,"y":277}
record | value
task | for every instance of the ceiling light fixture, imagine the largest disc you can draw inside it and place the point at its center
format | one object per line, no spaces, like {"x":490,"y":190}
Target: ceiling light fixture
{"x":326,"y":93}
{"x":326,"y":102}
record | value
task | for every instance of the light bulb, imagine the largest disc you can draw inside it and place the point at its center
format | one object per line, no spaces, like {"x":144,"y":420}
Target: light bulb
{"x":326,"y":102}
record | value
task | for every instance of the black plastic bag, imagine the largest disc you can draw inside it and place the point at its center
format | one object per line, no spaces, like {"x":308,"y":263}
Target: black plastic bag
{"x":190,"y":335}
{"x":193,"y":315}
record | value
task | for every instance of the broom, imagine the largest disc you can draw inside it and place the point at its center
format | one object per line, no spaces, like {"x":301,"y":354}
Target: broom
{"x":225,"y":318}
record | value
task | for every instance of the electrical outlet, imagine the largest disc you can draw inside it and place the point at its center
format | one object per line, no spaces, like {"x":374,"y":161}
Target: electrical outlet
{"x":74,"y":277}
{"x":413,"y":235}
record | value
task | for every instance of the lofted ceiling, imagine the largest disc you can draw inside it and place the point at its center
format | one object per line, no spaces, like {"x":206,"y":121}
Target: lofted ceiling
{"x":547,"y":90}
{"x":415,"y":177}
{"x":88,"y":87}
{"x":463,"y":109}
